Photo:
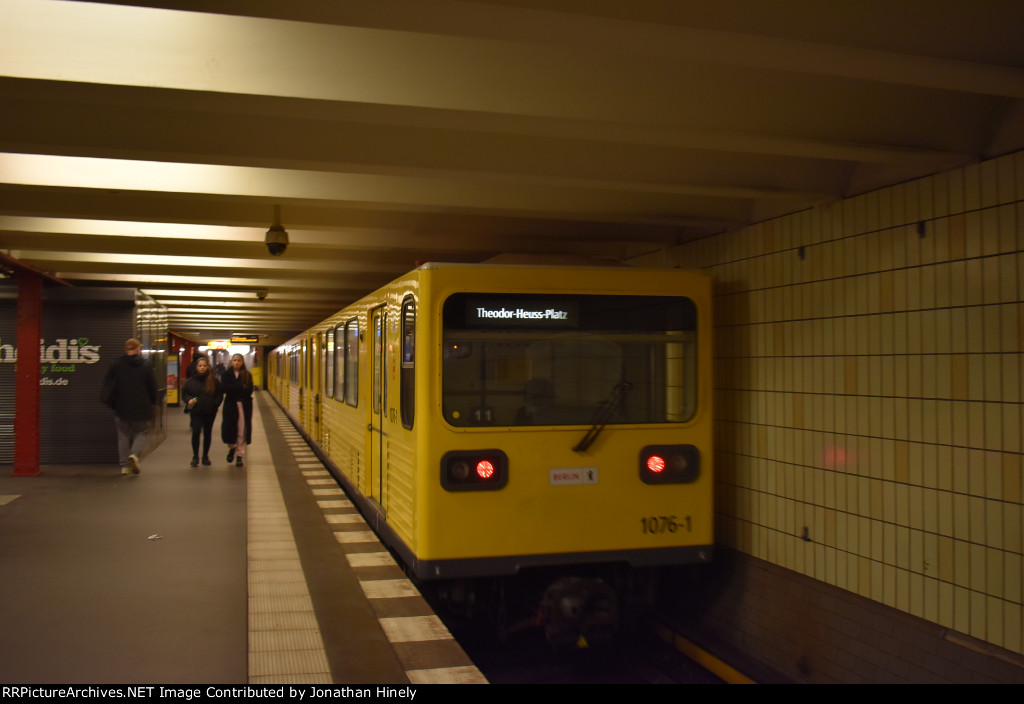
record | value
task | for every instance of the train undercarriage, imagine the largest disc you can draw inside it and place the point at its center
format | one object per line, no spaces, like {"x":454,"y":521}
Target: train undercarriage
{"x":587,"y":607}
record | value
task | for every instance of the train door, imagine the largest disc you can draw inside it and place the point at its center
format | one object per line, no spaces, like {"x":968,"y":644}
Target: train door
{"x":378,"y":405}
{"x":303,"y":370}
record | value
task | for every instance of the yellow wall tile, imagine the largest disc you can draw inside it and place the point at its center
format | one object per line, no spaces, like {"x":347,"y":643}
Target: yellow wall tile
{"x":863,"y":566}
{"x":876,"y":587}
{"x":974,"y":282}
{"x":962,"y":563}
{"x":946,"y":467}
{"x":994,"y":627}
{"x":917,"y":594}
{"x":889,"y":585}
{"x":903,"y":590}
{"x":979,"y":570}
{"x":946,"y":610}
{"x":946,"y":557}
{"x":940,"y":232}
{"x":994,"y":475}
{"x":957,"y":237}
{"x":995,"y":573}
{"x":917,"y":561}
{"x":994,"y":524}
{"x":959,"y":376}
{"x":976,"y":425}
{"x":990,"y":231}
{"x":931,"y":510}
{"x":962,"y":609}
{"x":1012,"y":577}
{"x":1013,"y":628}
{"x":945,"y":511}
{"x":931,"y":599}
{"x":979,"y":615}
{"x":915,"y":377}
{"x":993,"y":424}
{"x":1012,"y":538}
{"x":1005,"y":178}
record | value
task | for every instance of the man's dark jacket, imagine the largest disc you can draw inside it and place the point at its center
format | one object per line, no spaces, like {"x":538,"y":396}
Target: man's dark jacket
{"x":129,"y":388}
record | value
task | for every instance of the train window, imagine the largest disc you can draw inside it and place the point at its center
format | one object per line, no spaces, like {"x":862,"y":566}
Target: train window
{"x":408,"y":378}
{"x":512,"y":360}
{"x":377,"y":373}
{"x":328,"y":353}
{"x":339,"y":362}
{"x":352,"y":362}
{"x":304,"y":365}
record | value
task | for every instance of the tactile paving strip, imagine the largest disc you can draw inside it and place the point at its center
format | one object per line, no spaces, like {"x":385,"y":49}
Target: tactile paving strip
{"x":285,"y":645}
{"x":423,"y":644}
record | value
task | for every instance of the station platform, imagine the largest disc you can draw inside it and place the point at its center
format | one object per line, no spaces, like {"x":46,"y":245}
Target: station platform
{"x":213,"y":575}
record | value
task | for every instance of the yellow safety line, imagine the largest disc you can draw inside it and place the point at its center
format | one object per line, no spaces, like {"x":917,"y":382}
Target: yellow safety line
{"x":703,"y":658}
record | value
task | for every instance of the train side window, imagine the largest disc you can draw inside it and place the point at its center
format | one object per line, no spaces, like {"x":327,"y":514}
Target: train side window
{"x":352,"y":362}
{"x":408,"y":378}
{"x":338,"y":365}
{"x":328,"y":353}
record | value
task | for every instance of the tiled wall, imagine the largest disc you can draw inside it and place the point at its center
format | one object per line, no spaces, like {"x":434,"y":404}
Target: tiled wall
{"x":869,"y":385}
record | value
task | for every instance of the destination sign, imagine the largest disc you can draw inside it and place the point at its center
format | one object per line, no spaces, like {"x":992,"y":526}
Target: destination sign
{"x":511,"y":312}
{"x":245,"y":339}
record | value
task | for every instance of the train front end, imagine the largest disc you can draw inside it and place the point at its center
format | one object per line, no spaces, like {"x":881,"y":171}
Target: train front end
{"x":573,"y":423}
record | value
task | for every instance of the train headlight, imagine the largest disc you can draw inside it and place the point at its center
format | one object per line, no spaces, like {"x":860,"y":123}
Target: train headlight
{"x":669,"y":464}
{"x":460,"y":470}
{"x":474,"y":470}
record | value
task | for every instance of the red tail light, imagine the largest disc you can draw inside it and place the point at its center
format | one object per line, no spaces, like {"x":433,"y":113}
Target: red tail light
{"x":474,"y":470}
{"x":485,"y":469}
{"x":656,"y":464}
{"x":669,"y":464}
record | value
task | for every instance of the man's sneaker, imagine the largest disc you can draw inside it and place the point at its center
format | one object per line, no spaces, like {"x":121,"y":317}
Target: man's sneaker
{"x":126,"y":469}
{"x":133,"y":464}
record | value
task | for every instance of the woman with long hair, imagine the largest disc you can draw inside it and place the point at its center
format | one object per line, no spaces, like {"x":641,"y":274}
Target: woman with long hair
{"x":202,"y":394}
{"x":236,"y":430}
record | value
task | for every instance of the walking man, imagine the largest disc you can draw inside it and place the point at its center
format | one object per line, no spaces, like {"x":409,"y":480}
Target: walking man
{"x":129,"y":389}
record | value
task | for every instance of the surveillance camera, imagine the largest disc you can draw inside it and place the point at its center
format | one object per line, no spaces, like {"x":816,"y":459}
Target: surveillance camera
{"x":262,"y":294}
{"x":277,"y":240}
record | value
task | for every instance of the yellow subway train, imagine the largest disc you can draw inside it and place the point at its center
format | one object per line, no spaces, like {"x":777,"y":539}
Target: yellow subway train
{"x":492,"y":419}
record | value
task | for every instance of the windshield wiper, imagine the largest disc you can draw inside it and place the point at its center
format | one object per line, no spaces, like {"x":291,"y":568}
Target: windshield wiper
{"x":604,"y":413}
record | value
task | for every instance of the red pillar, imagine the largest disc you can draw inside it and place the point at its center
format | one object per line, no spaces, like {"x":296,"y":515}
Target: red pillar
{"x":26,"y":380}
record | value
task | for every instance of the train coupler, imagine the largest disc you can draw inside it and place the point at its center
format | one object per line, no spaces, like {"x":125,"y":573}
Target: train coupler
{"x":580,"y":612}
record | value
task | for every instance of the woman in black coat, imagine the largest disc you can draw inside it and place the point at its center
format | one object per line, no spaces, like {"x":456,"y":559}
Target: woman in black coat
{"x":202,"y":394}
{"x":236,"y":430}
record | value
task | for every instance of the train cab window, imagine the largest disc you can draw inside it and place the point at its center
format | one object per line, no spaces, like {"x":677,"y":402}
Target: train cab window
{"x":408,"y":377}
{"x":513,"y":360}
{"x":328,"y":353}
{"x":352,"y":362}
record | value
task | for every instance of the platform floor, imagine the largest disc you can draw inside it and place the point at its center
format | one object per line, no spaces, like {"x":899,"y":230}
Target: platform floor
{"x":220,"y":575}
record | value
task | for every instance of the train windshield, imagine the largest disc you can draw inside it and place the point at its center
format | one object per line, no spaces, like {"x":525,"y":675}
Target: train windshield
{"x":520,"y":360}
